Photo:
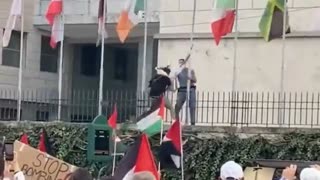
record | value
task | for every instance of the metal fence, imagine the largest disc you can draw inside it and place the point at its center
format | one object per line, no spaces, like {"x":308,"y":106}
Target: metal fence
{"x":259,"y":109}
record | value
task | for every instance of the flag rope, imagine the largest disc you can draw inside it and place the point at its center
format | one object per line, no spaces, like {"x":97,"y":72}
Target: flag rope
{"x":21,"y":62}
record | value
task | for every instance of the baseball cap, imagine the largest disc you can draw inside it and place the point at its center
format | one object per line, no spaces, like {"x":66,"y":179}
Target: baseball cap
{"x":231,"y":169}
{"x":310,"y":174}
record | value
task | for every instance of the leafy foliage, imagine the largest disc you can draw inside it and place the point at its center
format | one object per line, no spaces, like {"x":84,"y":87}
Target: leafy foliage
{"x":203,"y":157}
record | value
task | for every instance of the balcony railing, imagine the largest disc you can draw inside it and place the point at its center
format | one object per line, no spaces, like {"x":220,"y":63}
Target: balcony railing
{"x":258,"y":109}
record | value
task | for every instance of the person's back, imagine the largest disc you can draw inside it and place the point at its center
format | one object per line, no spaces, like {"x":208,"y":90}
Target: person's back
{"x":158,"y":85}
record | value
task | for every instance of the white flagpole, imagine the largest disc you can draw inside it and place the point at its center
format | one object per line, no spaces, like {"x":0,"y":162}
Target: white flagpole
{"x":20,"y":63}
{"x":181,"y":149}
{"x":143,"y":84}
{"x":61,"y":66}
{"x":284,"y":30}
{"x":236,"y":35}
{"x":102,"y":58}
{"x":114,"y":152}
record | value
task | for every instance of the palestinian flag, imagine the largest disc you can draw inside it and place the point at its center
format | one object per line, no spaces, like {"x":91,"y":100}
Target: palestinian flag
{"x":44,"y":145}
{"x":24,"y":139}
{"x":129,"y":18}
{"x":271,"y":23}
{"x":151,"y":121}
{"x":112,"y":121}
{"x":138,"y":161}
{"x":223,"y":18}
{"x":170,"y":149}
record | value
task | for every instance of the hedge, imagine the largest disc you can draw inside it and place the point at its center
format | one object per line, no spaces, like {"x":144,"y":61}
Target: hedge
{"x":203,"y":157}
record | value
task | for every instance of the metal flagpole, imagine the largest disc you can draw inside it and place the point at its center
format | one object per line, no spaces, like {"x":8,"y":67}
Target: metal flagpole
{"x":143,"y":84}
{"x":114,"y":151}
{"x":234,"y":80}
{"x":234,"y":77}
{"x":61,"y":66}
{"x":20,"y":63}
{"x":284,"y":30}
{"x":102,"y":59}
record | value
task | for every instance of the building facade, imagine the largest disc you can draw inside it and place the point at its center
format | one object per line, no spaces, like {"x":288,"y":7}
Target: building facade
{"x":248,"y":64}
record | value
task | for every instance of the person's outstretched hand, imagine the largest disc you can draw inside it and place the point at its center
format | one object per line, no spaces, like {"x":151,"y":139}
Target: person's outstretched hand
{"x":289,"y":172}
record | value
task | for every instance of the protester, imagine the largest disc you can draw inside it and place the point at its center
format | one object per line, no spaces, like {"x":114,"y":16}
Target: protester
{"x":289,"y":173}
{"x":182,"y":75}
{"x":159,"y":84}
{"x":81,"y":174}
{"x":231,"y":171}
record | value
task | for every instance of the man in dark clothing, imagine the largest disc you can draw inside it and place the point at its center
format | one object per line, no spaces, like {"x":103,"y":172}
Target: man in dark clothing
{"x":158,"y":85}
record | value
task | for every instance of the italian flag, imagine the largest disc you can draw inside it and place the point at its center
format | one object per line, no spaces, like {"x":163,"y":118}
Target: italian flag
{"x":223,"y":18}
{"x":151,"y":121}
{"x":129,"y":18}
{"x":138,"y":162}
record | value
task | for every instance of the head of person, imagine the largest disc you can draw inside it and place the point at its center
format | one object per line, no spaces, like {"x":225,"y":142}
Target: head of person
{"x":81,"y":174}
{"x":310,"y":174}
{"x":143,"y":176}
{"x":181,"y":62}
{"x":231,"y":171}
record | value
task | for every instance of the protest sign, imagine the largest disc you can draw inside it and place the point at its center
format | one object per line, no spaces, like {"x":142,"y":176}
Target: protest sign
{"x":37,"y":165}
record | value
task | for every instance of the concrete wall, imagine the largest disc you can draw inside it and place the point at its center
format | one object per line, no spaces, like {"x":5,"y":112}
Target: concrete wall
{"x":258,"y":63}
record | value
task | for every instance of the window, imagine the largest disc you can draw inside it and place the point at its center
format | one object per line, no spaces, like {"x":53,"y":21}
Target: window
{"x":89,"y":61}
{"x":8,"y":114}
{"x":49,"y":56}
{"x":120,"y":64}
{"x":42,"y":116}
{"x":11,"y":54}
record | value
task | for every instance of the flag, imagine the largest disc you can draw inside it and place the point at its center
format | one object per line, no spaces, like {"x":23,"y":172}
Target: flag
{"x":170,"y":149}
{"x":44,"y":145}
{"x":129,"y":17}
{"x":138,"y":159}
{"x":223,"y":18}
{"x":15,"y":12}
{"x":101,"y":21}
{"x":271,"y":23}
{"x":112,"y":121}
{"x":54,"y":18}
{"x":24,"y":139}
{"x":151,"y":121}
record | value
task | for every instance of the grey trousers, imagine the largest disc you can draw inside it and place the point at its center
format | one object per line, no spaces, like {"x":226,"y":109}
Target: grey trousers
{"x":181,"y":98}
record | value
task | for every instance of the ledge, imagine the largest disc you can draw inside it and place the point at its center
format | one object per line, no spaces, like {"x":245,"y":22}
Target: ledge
{"x":241,"y":35}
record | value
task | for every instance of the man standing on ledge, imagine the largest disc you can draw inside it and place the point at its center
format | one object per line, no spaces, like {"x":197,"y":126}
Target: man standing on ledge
{"x":183,"y":76}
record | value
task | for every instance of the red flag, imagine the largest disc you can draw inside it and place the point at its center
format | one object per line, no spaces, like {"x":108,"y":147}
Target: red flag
{"x":54,"y":16}
{"x":44,"y":145}
{"x":112,"y":121}
{"x":24,"y":139}
{"x":161,"y":110}
{"x":170,"y":149}
{"x":145,"y":160}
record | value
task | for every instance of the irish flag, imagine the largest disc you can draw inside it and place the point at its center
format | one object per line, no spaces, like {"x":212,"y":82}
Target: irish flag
{"x":138,"y":162}
{"x":129,"y":18}
{"x":151,"y":121}
{"x":223,"y":18}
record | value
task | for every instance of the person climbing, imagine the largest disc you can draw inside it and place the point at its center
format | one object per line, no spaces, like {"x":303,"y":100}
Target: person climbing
{"x":158,"y":85}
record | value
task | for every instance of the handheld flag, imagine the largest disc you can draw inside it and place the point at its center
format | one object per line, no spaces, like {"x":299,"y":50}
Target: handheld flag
{"x":112,"y":121}
{"x":54,"y":18}
{"x":170,"y":149}
{"x":223,"y":18}
{"x":138,"y":159}
{"x":24,"y":139}
{"x":15,"y":12}
{"x":271,"y":23}
{"x":44,"y":145}
{"x":151,"y":121}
